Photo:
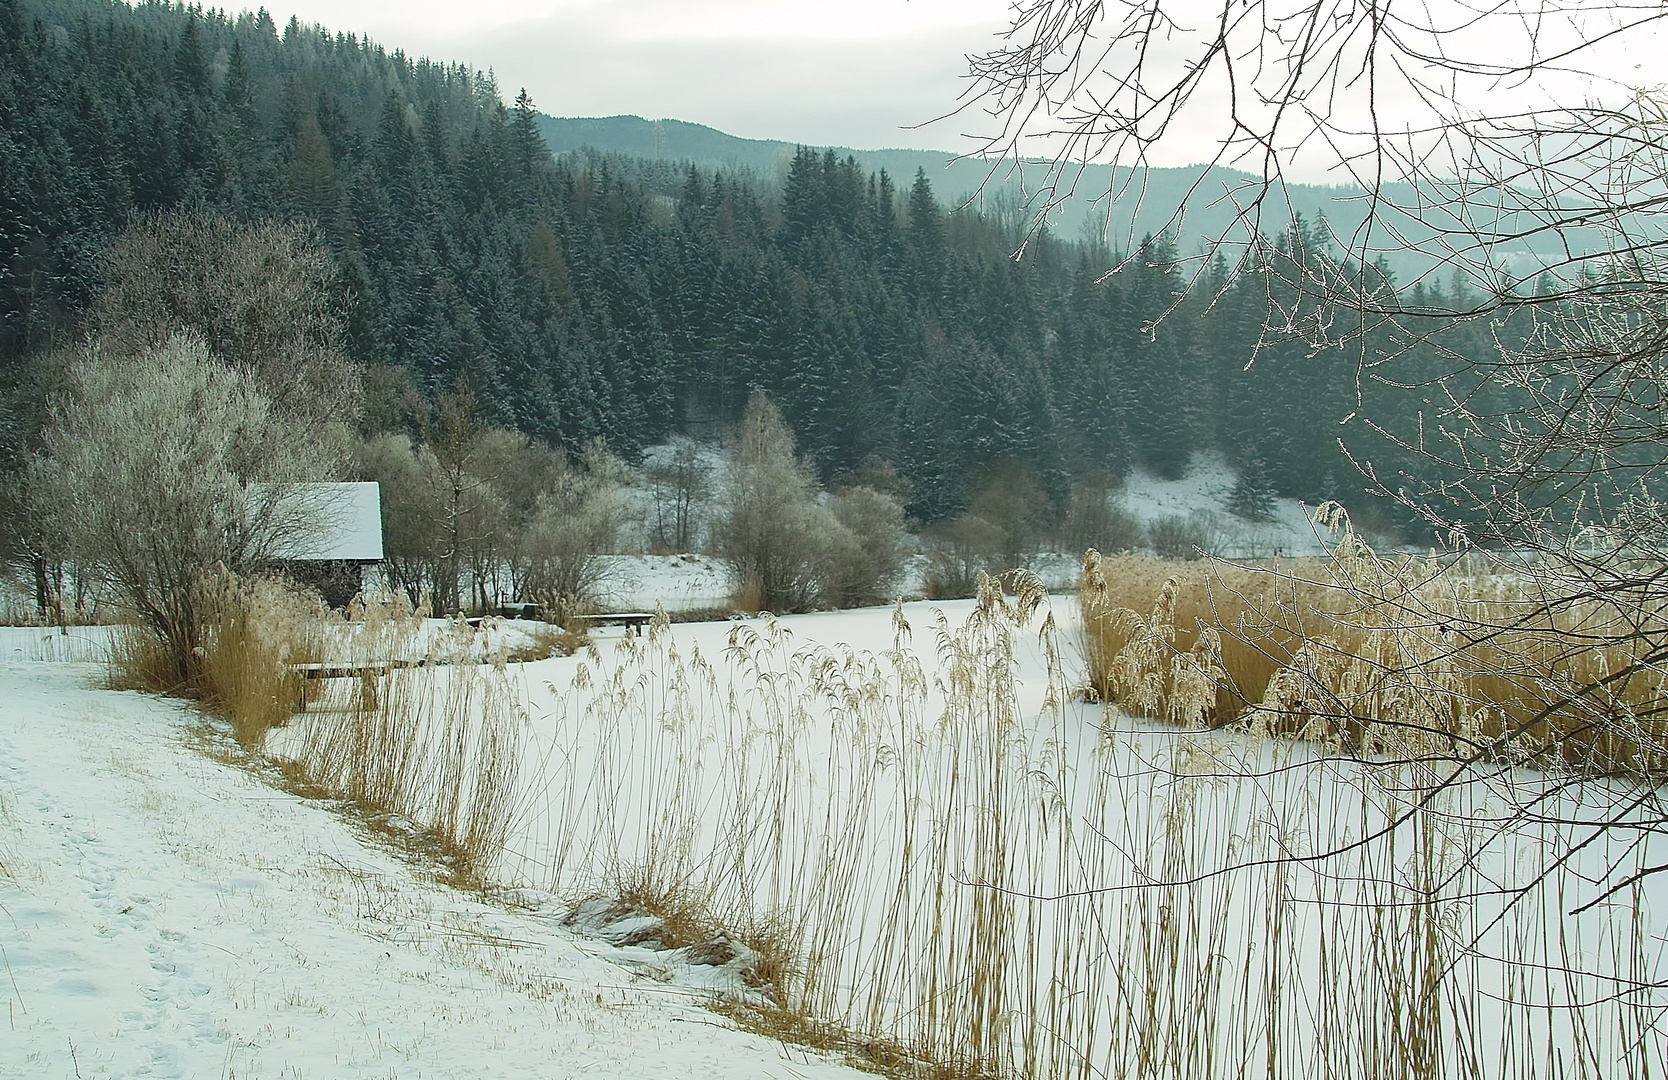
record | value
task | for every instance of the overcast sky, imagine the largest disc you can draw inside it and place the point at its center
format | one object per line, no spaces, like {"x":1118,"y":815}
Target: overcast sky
{"x":857,"y":73}
{"x":872,"y":74}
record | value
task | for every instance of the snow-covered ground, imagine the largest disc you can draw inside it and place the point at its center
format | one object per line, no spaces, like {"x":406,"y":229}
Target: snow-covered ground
{"x":1204,"y":491}
{"x":168,"y":914}
{"x":675,"y":582}
{"x":163,"y":913}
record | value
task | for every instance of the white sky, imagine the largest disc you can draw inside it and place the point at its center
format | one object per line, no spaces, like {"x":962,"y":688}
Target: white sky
{"x":856,"y":73}
{"x":870,"y":73}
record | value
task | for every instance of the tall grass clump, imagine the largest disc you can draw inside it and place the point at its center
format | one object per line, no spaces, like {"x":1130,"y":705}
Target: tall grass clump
{"x":968,"y":877}
{"x":255,"y":631}
{"x":1383,"y":655}
{"x":423,"y":737}
{"x":261,"y":630}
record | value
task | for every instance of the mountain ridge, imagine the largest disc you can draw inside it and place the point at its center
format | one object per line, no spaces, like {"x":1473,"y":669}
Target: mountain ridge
{"x":956,"y":178}
{"x":1205,"y":192}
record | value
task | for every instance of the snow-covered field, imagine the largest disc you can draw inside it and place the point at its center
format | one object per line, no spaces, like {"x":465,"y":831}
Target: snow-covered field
{"x":864,"y":775}
{"x":675,"y":582}
{"x":165,"y":914}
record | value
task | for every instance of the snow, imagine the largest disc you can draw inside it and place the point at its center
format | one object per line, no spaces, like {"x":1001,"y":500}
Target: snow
{"x":675,"y":582}
{"x":164,"y":913}
{"x":1204,"y":490}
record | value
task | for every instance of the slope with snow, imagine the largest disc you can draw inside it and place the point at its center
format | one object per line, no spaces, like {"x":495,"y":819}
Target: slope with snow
{"x":1202,"y":494}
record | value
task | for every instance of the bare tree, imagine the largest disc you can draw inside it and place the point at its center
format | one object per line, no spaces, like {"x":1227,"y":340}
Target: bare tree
{"x":1504,"y":143}
{"x":162,"y":467}
{"x":263,"y":298}
{"x":455,"y":439}
{"x":578,"y":516}
{"x":767,"y":528}
{"x":678,"y":480}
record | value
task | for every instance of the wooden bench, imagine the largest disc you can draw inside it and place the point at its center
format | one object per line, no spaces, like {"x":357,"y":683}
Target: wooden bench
{"x":354,"y":671}
{"x":368,"y":673}
{"x":633,"y":621}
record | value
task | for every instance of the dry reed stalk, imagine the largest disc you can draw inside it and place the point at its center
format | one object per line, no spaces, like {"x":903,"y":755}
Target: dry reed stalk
{"x":1009,"y":895}
{"x":748,"y":594}
{"x":138,"y":660}
{"x":262,"y":628}
{"x":1399,"y":657}
{"x":257,"y":630}
{"x":438,"y":745}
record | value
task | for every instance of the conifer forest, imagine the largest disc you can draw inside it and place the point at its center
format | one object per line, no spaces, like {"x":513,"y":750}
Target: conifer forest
{"x":600,"y":296}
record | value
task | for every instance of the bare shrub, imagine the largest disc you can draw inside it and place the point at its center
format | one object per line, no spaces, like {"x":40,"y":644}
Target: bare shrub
{"x":1013,"y":502}
{"x":578,"y":516}
{"x":863,"y":548}
{"x":159,"y":469}
{"x":477,"y":516}
{"x":407,"y":477}
{"x":262,"y":298}
{"x":1190,"y":536}
{"x":1093,"y":520}
{"x":768,"y":531}
{"x":957,"y":553}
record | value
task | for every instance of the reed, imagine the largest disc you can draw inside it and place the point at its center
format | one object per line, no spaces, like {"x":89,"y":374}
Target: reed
{"x":427,"y":740}
{"x":261,"y":629}
{"x":255,"y":631}
{"x":1380,"y":655}
{"x":940,"y":880}
{"x":947,"y":883}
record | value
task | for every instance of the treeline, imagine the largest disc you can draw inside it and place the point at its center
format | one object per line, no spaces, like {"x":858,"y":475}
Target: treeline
{"x":595,"y":298}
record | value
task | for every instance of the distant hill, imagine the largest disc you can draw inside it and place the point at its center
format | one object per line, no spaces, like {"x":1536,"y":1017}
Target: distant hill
{"x":956,"y":180}
{"x":1147,"y":199}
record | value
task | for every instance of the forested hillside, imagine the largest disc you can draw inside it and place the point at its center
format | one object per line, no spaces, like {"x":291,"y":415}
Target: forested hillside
{"x":603,"y":296}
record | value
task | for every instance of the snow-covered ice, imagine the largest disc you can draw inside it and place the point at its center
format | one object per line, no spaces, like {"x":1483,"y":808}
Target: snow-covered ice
{"x":165,"y":913}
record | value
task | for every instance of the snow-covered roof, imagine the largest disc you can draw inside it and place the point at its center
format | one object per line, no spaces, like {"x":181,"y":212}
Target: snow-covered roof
{"x":351,"y":524}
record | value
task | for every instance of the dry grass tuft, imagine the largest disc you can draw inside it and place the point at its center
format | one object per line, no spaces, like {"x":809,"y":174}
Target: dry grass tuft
{"x":256,"y":630}
{"x":542,"y":641}
{"x":1404,"y":656}
{"x":702,"y":614}
{"x":8,"y":857}
{"x":423,"y":742}
{"x":684,"y":918}
{"x":749,"y":594}
{"x":138,"y":660}
{"x":262,"y":628}
{"x":563,"y":632}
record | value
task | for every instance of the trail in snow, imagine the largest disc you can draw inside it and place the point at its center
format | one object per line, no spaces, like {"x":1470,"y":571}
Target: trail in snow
{"x":171,"y":915}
